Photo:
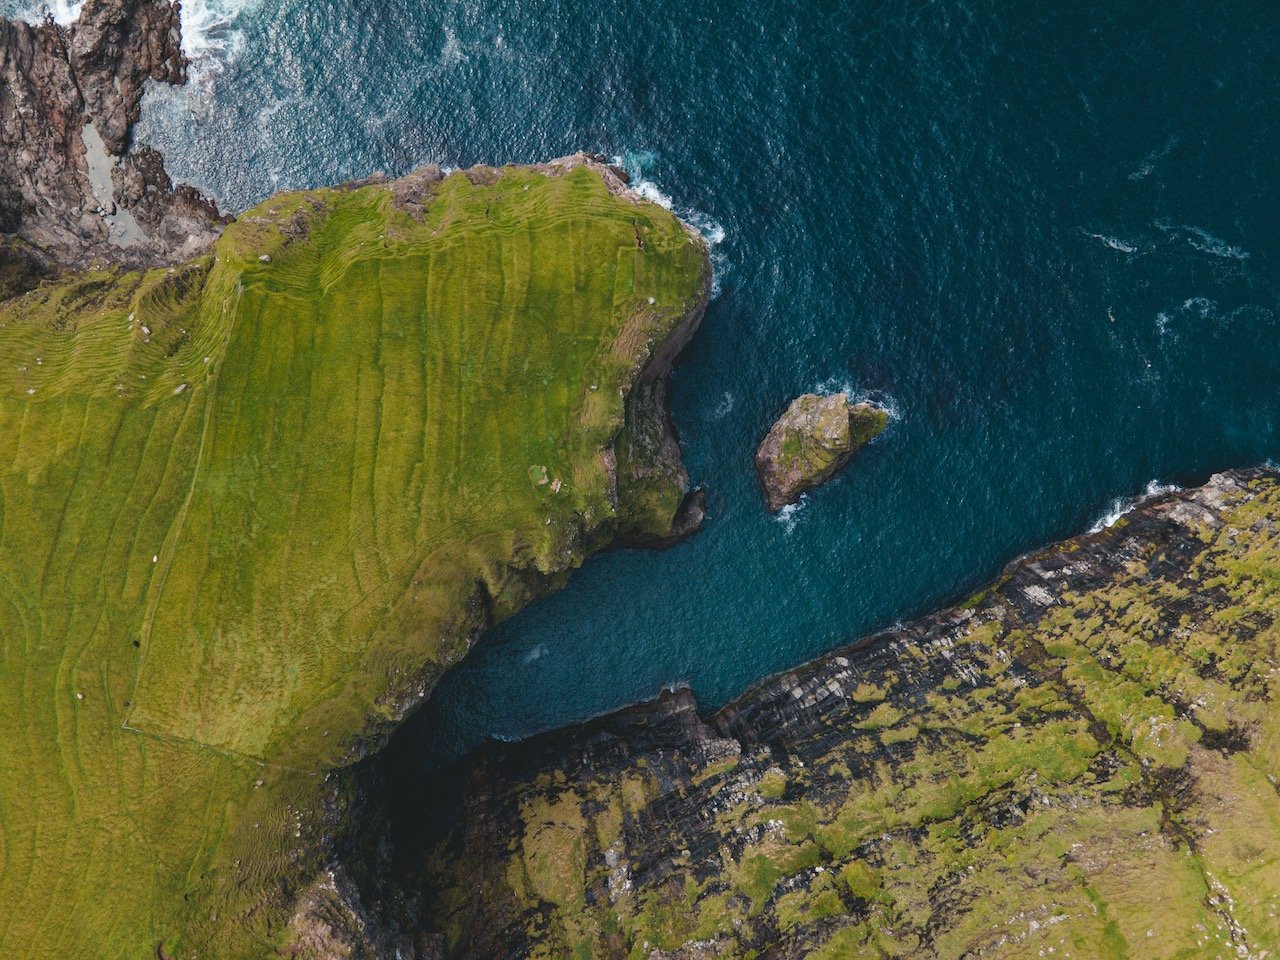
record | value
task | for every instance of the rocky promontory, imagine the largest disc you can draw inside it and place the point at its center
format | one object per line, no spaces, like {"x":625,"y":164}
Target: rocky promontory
{"x":814,"y":439}
{"x":1079,"y":761}
{"x":74,"y":189}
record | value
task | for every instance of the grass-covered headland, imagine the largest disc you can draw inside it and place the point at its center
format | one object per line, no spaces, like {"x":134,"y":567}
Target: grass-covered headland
{"x":252,"y":506}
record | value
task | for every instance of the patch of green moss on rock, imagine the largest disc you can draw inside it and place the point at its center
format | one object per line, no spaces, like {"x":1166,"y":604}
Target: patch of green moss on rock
{"x":1082,"y":763}
{"x":815,"y":437}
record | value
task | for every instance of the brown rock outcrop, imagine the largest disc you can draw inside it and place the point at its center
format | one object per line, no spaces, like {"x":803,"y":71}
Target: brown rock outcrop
{"x":69,"y":96}
{"x":814,"y":439}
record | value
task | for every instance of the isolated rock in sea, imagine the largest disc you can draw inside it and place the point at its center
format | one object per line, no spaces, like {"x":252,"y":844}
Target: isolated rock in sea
{"x":814,"y":439}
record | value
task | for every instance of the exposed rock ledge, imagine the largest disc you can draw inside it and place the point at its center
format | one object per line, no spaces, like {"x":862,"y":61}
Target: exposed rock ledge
{"x":812,"y":441}
{"x":71,"y":187}
{"x":1080,"y":761}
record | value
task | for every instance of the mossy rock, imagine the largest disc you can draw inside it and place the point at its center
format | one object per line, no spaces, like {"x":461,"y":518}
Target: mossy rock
{"x":1081,"y":763}
{"x":814,"y":439}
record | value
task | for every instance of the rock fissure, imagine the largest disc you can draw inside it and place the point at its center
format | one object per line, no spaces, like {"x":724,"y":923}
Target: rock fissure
{"x":73,"y":187}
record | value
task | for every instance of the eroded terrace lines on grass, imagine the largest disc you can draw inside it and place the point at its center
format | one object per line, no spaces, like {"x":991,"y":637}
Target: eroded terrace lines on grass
{"x":168,"y":548}
{"x":250,"y":496}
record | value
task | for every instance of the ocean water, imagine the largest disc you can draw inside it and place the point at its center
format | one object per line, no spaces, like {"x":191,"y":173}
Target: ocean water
{"x":1045,"y":234}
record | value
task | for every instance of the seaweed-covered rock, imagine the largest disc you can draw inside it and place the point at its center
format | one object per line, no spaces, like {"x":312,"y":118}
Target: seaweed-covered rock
{"x":816,"y":436}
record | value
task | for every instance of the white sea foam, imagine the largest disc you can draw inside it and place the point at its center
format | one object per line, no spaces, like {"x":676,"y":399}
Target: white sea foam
{"x":1206,"y":242}
{"x":724,"y":407}
{"x":789,"y":515}
{"x":1122,"y":505}
{"x":210,"y":37}
{"x":1203,"y":240}
{"x":858,"y":395}
{"x":537,"y":653}
{"x":62,"y":11}
{"x":208,"y":27}
{"x":1149,"y":162}
{"x":1201,"y":305}
{"x":885,"y":401}
{"x":1123,"y":246}
{"x":451,"y":53}
{"x":635,"y":164}
{"x":213,"y":38}
{"x":833,"y":385}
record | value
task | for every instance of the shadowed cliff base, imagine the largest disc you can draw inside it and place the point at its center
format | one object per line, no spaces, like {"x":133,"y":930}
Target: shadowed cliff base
{"x":1080,"y":760}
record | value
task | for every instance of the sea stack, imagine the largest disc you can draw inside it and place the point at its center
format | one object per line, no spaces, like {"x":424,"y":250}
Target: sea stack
{"x":816,"y":436}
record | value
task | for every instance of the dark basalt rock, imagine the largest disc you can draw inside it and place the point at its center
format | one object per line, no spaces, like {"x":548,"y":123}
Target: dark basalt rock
{"x":22,"y":267}
{"x":1072,"y":758}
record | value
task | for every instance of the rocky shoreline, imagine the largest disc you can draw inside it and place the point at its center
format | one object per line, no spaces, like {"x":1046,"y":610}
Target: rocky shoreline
{"x":74,"y":189}
{"x":1081,"y":760}
{"x":1007,"y":775}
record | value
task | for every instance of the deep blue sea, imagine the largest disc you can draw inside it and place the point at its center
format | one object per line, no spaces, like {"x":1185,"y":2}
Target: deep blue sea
{"x":1046,"y":235}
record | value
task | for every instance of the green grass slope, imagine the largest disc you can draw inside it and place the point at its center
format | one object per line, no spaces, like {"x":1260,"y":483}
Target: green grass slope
{"x":250,"y":507}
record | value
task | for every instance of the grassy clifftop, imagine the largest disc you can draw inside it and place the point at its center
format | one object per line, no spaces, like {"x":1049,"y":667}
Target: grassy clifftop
{"x":1080,"y":762}
{"x":250,"y":507}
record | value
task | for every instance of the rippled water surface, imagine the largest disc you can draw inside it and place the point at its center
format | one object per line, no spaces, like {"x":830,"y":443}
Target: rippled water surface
{"x":1047,"y":239}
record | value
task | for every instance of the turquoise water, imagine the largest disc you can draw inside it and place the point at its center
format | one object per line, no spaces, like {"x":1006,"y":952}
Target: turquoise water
{"x":1047,"y":238}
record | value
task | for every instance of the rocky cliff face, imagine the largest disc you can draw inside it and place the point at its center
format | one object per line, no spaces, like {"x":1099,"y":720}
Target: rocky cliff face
{"x":1080,"y":761}
{"x":70,"y":186}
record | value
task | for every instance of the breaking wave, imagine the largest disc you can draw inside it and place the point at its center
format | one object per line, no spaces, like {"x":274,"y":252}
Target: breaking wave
{"x":62,"y":11}
{"x":1115,"y":243}
{"x":1122,"y":505}
{"x":210,"y":38}
{"x":1204,"y":241}
{"x":209,"y":32}
{"x":635,"y":165}
{"x":789,"y":515}
{"x":859,"y":395}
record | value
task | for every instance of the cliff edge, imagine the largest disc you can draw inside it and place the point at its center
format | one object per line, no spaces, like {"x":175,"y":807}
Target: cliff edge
{"x":1080,"y":761}
{"x":255,"y":504}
